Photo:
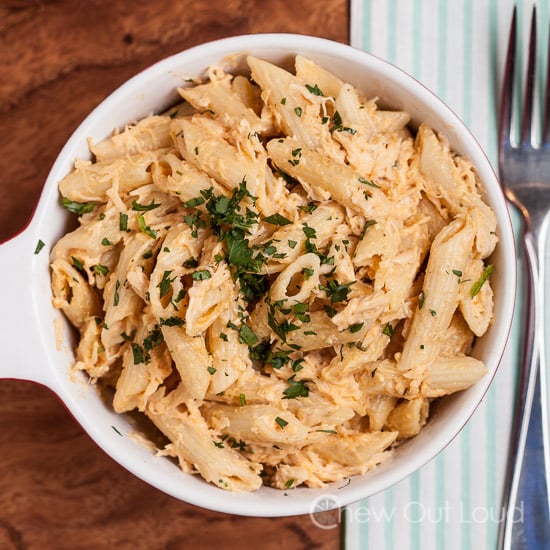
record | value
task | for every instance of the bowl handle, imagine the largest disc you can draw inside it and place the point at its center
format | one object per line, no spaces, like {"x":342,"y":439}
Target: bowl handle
{"x":21,"y":353}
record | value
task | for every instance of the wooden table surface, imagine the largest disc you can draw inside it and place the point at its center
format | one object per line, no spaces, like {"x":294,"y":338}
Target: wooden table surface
{"x":59,"y":58}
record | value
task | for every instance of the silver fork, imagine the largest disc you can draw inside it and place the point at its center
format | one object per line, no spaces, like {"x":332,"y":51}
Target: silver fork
{"x":524,"y":169}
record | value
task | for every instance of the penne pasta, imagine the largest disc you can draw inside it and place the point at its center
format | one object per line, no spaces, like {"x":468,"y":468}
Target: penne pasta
{"x":278,"y":274}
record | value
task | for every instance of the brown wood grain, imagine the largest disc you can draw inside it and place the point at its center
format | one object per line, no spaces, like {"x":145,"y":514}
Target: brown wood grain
{"x":59,"y":59}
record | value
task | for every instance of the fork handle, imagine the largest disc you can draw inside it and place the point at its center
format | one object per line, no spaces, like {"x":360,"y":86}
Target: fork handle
{"x":526,"y":523}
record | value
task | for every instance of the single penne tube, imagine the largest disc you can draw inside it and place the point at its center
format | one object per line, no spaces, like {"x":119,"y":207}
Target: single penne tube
{"x":72,"y":293}
{"x":258,"y":424}
{"x":451,"y":374}
{"x":191,"y":358}
{"x":148,"y":134}
{"x":455,"y":183}
{"x":90,"y":182}
{"x":450,"y":255}
{"x":340,"y":181}
{"x":378,"y":409}
{"x":409,"y":417}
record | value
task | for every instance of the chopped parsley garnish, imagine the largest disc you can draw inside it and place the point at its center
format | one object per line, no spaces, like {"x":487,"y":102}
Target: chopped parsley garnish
{"x":123,"y":221}
{"x":137,"y":351}
{"x":242,"y":399}
{"x":356,"y":327}
{"x":172,"y":322}
{"x":78,"y":264}
{"x":165,"y":284}
{"x":78,"y":207}
{"x":337,"y":125}
{"x":296,"y":388}
{"x":457,"y":272}
{"x":144,"y":228}
{"x":277,"y":219}
{"x":315,"y":90}
{"x":201,"y":275}
{"x":144,"y":207}
{"x":194,"y":202}
{"x":368,"y":182}
{"x":335,"y":291}
{"x":308,"y":208}
{"x":211,"y":370}
{"x":100,"y":269}
{"x":39,"y":246}
{"x":116,"y":297}
{"x":246,"y":335}
{"x":281,"y":422}
{"x":106,"y":242}
{"x":388,"y":330}
{"x":476,"y":287}
{"x":298,"y":111}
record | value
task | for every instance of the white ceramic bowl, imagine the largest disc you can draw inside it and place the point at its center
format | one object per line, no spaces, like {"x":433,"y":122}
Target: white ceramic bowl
{"x":28,"y":320}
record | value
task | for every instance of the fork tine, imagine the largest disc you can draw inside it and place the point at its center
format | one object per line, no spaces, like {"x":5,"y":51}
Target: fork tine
{"x":528,"y":99}
{"x":505,"y":111}
{"x":546,"y":127}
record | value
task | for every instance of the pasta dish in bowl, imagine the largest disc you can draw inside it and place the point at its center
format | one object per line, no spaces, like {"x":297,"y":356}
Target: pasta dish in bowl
{"x":284,"y":260}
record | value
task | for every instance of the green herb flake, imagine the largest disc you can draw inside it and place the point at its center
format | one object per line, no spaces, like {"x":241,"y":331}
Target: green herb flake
{"x":335,"y":291}
{"x":116,"y":296}
{"x":39,"y":246}
{"x":193,"y":202}
{"x":144,"y":207}
{"x":211,"y":370}
{"x":165,"y":284}
{"x":277,"y":219}
{"x":106,"y":242}
{"x":138,"y":354}
{"x":296,"y":388}
{"x":78,"y":264}
{"x":144,"y":228}
{"x":281,"y":422}
{"x":298,"y":111}
{"x":457,"y":272}
{"x":201,"y":275}
{"x":123,"y":221}
{"x":315,"y":90}
{"x":368,"y":182}
{"x":247,"y":335}
{"x":242,"y":399}
{"x":172,"y":322}
{"x":476,"y":287}
{"x":100,"y":269}
{"x":388,"y":330}
{"x":356,"y":327}
{"x":283,"y":101}
{"x":78,"y":207}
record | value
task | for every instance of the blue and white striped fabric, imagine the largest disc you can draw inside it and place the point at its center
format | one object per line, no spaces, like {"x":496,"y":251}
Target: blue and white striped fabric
{"x":457,"y":49}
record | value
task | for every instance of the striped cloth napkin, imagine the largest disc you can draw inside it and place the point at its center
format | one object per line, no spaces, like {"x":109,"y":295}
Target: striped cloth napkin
{"x":457,"y":50}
